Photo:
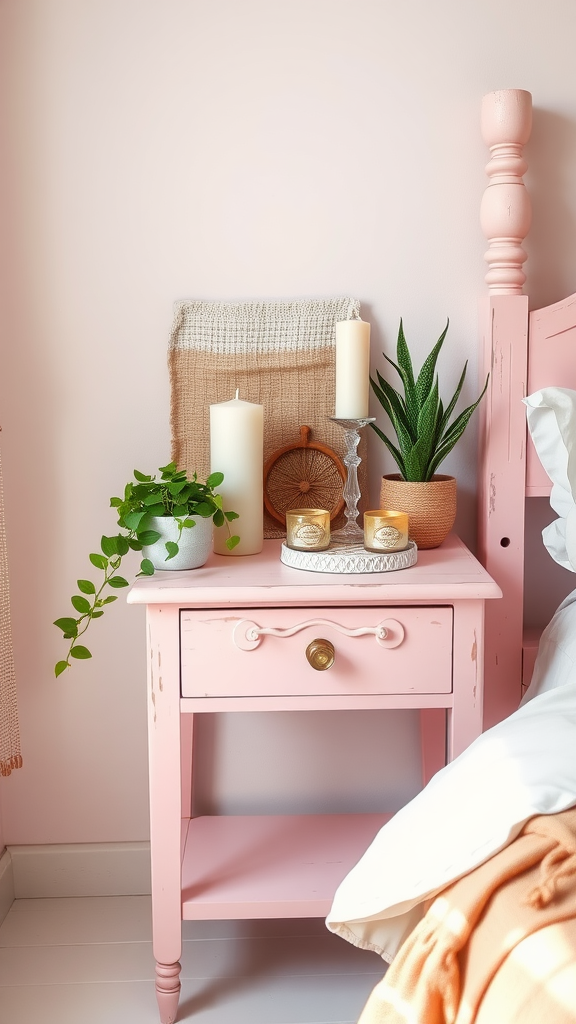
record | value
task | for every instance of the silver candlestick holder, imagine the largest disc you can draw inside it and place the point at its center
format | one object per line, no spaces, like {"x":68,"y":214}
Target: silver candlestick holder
{"x":351,"y":533}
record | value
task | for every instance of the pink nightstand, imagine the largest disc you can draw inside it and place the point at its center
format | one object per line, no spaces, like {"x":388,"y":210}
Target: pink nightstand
{"x":408,"y":639}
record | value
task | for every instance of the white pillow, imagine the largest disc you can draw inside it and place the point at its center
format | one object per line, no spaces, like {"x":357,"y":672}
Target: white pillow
{"x":551,"y":415}
{"x":472,"y":808}
{"x":555,"y":663}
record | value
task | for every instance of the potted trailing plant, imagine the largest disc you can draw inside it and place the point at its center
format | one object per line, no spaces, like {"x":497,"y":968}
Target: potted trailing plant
{"x":426,"y":431}
{"x":170,"y":520}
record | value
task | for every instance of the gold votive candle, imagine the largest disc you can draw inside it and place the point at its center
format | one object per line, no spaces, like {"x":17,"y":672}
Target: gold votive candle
{"x":385,"y":530}
{"x":308,"y":529}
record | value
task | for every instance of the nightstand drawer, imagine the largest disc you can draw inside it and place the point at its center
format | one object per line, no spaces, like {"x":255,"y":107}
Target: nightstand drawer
{"x":271,"y":651}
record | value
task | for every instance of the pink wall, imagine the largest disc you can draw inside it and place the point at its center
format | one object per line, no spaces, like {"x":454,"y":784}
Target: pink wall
{"x":158,"y":151}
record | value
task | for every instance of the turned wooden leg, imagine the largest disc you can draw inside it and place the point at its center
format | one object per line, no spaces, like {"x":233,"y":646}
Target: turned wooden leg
{"x":168,"y":991}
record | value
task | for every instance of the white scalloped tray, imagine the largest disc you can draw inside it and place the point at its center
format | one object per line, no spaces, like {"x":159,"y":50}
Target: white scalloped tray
{"x":352,"y":559}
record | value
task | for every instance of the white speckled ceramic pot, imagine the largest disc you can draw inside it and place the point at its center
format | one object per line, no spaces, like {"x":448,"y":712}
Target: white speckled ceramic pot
{"x":194,"y":545}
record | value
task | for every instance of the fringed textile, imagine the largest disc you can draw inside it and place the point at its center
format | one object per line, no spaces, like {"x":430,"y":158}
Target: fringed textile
{"x":10,"y":755}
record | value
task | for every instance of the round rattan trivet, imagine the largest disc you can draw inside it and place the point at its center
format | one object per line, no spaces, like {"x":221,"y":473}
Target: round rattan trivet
{"x":306,"y":473}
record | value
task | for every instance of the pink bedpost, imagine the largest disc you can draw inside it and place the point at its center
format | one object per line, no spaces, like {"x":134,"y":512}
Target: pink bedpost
{"x":505,"y":213}
{"x":505,"y":218}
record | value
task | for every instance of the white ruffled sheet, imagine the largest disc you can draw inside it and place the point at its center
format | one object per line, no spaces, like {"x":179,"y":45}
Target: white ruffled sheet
{"x":472,"y":808}
{"x":521,"y":767}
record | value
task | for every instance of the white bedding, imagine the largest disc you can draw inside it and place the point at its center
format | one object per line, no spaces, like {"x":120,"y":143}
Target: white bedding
{"x":521,"y":767}
{"x":472,"y":808}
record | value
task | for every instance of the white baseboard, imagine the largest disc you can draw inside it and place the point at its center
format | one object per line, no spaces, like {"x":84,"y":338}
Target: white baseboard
{"x":80,"y":869}
{"x":6,"y":884}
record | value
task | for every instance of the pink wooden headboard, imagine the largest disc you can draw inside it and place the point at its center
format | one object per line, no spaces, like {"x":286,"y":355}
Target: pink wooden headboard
{"x":523,"y":352}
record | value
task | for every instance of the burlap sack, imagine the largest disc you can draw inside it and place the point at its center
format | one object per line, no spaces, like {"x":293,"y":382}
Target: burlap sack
{"x":278,"y":354}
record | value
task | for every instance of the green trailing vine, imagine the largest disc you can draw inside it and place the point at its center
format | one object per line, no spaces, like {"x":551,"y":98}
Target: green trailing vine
{"x":173,"y":495}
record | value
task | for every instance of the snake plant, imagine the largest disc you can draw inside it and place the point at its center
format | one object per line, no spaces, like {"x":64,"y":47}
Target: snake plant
{"x":425,"y":432}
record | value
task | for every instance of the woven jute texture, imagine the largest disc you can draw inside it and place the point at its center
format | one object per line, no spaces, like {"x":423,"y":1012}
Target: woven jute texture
{"x":10,"y":756}
{"x":431,"y":506}
{"x":278,"y":354}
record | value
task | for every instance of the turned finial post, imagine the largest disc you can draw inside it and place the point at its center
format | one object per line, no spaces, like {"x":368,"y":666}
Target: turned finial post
{"x":505,"y":213}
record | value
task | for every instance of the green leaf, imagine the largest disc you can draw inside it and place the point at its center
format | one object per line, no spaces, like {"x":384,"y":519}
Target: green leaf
{"x":96,"y":615}
{"x":86,"y":586}
{"x":135,"y":544}
{"x":413,"y":464}
{"x":183,"y":497}
{"x":139,"y":491}
{"x":465,"y":416}
{"x":123,"y":545}
{"x":426,"y":375}
{"x":146,"y":568}
{"x":148,"y":537}
{"x":132,"y":520}
{"x":180,"y":511}
{"x":454,"y":433}
{"x":172,"y":549}
{"x":153,"y":497}
{"x":81,"y":604}
{"x":169,"y":469}
{"x":395,"y":408}
{"x":176,"y":486}
{"x":153,"y":510}
{"x":109,"y":546}
{"x":203,"y":509}
{"x":60,"y":666}
{"x":188,"y":524}
{"x":115,"y":502}
{"x":218,"y":518}
{"x":109,"y":599}
{"x":452,"y":403}
{"x":141,"y":476}
{"x":406,"y":436}
{"x":396,"y":455}
{"x":215,"y":479}
{"x":231,"y":515}
{"x":428,"y":422}
{"x":80,"y":652}
{"x":403,"y":354}
{"x":67,"y":625}
{"x":407,"y":374}
{"x":99,"y":561}
{"x":117,"y":582}
{"x":232,"y":542}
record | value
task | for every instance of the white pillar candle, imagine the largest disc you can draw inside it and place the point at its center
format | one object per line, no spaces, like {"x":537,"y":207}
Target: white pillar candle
{"x":237,"y":451}
{"x":352,"y":369}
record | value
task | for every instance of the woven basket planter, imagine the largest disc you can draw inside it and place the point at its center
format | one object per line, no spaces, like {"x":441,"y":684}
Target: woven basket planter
{"x":431,"y":506}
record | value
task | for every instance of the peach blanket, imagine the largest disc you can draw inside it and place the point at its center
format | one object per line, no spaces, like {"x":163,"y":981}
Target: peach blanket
{"x":443,"y":969}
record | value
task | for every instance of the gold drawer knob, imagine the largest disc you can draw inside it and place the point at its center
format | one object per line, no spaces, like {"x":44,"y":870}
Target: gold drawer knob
{"x":320,"y":654}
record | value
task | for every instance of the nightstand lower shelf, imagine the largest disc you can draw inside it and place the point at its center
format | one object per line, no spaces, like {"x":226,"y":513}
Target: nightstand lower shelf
{"x":270,"y":866}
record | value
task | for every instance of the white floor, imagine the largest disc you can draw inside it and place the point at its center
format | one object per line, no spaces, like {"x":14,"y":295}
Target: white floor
{"x":89,"y":961}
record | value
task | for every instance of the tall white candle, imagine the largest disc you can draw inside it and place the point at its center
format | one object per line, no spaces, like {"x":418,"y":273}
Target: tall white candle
{"x":352,"y":369}
{"x":237,"y":451}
